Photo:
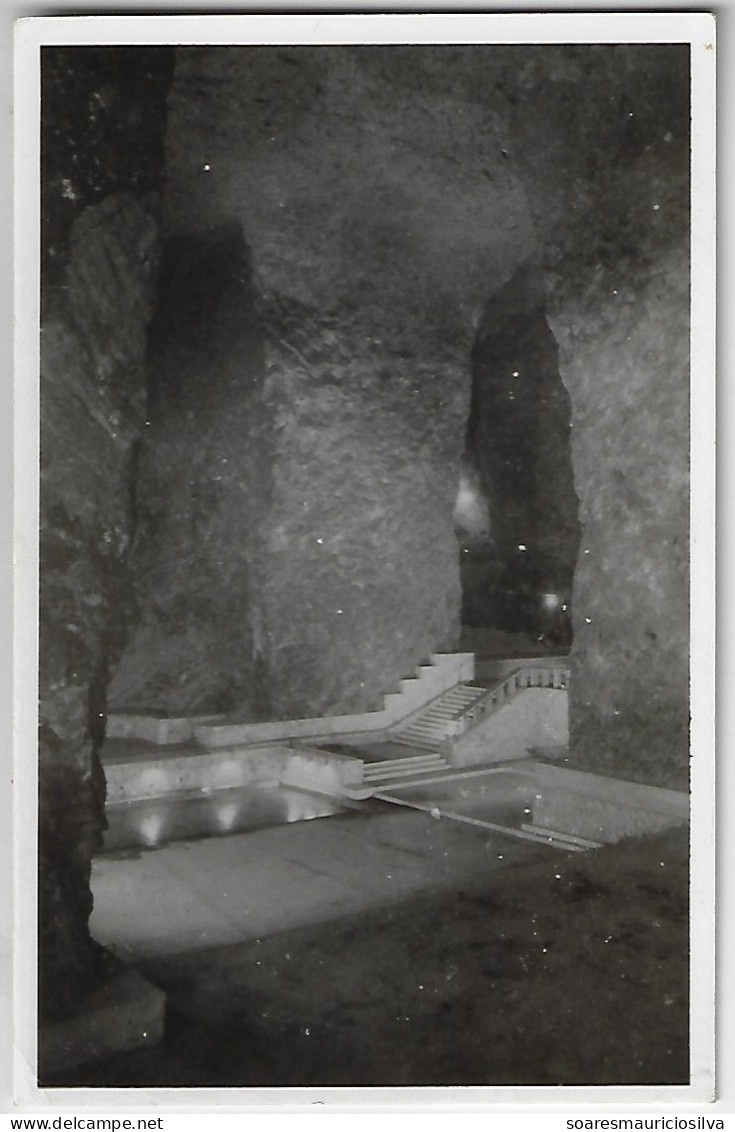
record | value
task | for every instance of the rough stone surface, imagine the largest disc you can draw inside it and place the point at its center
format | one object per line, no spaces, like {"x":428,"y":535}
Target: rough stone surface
{"x":101,"y":134}
{"x":369,"y":182}
{"x":378,"y":229}
{"x":92,"y":408}
{"x":630,"y":689}
{"x":359,"y":571}
{"x":203,"y":486}
{"x":350,"y":212}
{"x":100,"y":260}
{"x":320,"y":565}
{"x":610,"y":195}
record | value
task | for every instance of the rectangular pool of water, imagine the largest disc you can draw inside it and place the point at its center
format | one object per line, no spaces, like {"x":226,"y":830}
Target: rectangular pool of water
{"x":566,"y":807}
{"x":153,"y":822}
{"x":499,"y":797}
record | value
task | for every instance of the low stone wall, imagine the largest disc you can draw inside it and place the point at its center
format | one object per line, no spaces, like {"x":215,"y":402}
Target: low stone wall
{"x":208,"y":770}
{"x":445,"y":670}
{"x":537,"y":717}
{"x":164,"y":731}
{"x":324,"y":771}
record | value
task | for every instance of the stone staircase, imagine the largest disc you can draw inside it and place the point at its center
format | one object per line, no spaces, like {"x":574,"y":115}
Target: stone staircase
{"x":391,"y":773}
{"x":412,"y":768}
{"x":430,"y":728}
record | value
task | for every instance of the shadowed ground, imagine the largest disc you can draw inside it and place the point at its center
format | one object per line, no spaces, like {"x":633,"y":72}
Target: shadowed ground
{"x":565,"y":969}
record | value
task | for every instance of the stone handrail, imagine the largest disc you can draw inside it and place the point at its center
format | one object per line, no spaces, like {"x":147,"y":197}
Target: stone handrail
{"x":532,"y":676}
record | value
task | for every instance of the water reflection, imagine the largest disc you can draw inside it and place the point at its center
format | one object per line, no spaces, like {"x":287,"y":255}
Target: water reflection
{"x":505,"y":799}
{"x":150,"y":827}
{"x":154,"y":822}
{"x":227,"y":815}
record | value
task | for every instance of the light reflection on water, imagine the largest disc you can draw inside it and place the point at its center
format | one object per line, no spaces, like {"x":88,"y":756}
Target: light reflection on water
{"x":151,"y":826}
{"x":505,"y":799}
{"x":227,"y":815}
{"x":155,"y":822}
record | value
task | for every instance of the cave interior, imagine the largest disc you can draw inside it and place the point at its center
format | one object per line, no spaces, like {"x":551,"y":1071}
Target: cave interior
{"x":352,"y":355}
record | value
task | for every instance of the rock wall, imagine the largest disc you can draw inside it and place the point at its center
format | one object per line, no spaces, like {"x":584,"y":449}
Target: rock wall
{"x":100,"y":252}
{"x":359,"y":563}
{"x":630,"y":693}
{"x":610,"y":195}
{"x":336,"y":221}
{"x":204,"y":483}
{"x":93,"y":407}
{"x":298,"y":555}
{"x":383,"y":200}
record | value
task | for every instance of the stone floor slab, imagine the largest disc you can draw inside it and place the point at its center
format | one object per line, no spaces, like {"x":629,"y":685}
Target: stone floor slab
{"x":197,"y":895}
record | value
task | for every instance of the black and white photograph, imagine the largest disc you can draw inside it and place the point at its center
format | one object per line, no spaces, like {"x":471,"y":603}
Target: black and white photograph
{"x":374,"y":388}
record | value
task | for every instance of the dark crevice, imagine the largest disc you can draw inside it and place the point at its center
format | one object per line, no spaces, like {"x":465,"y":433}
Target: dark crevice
{"x":519,"y":531}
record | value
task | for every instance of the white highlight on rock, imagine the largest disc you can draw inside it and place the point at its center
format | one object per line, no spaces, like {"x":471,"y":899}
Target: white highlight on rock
{"x":470,"y":507}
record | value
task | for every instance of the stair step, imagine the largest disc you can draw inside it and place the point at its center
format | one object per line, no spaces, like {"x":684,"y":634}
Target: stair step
{"x":404,"y":764}
{"x":419,"y":737}
{"x":421,"y":733}
{"x":417,"y":744}
{"x":380,"y":780}
{"x":396,"y":762}
{"x":424,"y":721}
{"x":368,"y":789}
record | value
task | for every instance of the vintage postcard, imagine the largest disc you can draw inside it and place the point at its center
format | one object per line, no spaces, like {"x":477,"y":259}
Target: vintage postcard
{"x":366,"y":456}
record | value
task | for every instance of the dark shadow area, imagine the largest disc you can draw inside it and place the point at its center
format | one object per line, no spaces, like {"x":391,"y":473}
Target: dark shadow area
{"x":204,"y":337}
{"x":203,"y":467}
{"x":571,"y":970}
{"x":517,"y":511}
{"x":103,"y":112}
